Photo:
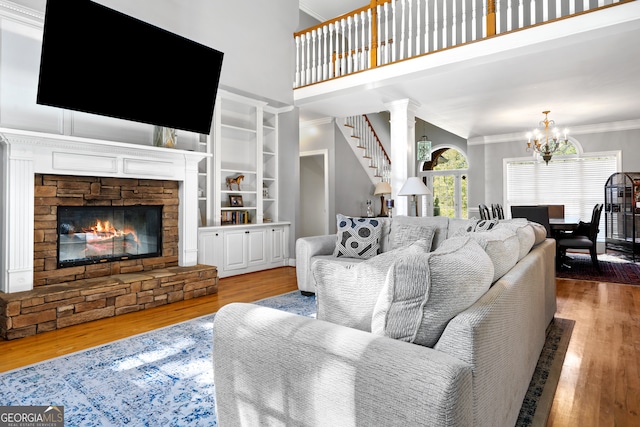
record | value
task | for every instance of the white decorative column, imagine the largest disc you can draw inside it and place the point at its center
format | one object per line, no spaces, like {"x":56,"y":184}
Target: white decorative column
{"x":403,"y":165}
{"x":188,"y":222}
{"x":16,"y":230}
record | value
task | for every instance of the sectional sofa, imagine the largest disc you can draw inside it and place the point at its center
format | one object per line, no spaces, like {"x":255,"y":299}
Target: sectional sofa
{"x":444,"y":327}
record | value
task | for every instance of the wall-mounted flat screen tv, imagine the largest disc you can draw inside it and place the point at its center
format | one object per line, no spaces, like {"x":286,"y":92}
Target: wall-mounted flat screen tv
{"x":101,"y":61}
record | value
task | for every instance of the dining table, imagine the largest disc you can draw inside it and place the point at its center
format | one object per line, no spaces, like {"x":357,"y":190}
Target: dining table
{"x":563,"y":224}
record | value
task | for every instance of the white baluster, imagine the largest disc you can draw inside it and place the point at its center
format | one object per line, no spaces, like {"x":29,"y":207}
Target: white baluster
{"x":435,"y":25}
{"x":484,"y":19}
{"x":585,"y":5}
{"x":304,"y":59}
{"x":427,"y":27}
{"x":463,"y":24}
{"x":454,"y":21}
{"x":445,"y":24}
{"x":509,"y":16}
{"x":498,"y":11}
{"x":363,"y":48}
{"x":418,"y":28}
{"x":297,"y":76}
{"x":402,"y":31}
{"x":386,"y":33}
{"x":330,"y":51}
{"x":410,"y":37}
{"x":393,"y":32}
{"x":545,"y":10}
{"x":520,"y":23}
{"x":370,"y":44}
{"x":533,"y":11}
{"x":474,"y":23}
{"x":349,"y":55}
{"x":343,"y":50}
{"x":314,"y":77}
{"x":325,"y":53}
{"x":380,"y":48}
{"x":572,"y":7}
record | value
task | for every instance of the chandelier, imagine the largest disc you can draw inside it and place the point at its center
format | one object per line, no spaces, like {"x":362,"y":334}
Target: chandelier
{"x":546,"y":141}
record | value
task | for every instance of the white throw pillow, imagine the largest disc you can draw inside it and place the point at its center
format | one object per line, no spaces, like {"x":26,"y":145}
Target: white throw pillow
{"x":423,"y":292}
{"x":346,"y":294}
{"x":440,"y":223}
{"x":357,"y":237}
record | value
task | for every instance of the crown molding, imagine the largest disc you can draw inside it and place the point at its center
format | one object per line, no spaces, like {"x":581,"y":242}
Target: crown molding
{"x":21,"y":14}
{"x":317,"y":122}
{"x":578,"y":130}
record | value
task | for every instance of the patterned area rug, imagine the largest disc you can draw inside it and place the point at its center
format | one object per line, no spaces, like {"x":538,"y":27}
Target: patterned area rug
{"x":612,"y":269}
{"x":165,"y":377}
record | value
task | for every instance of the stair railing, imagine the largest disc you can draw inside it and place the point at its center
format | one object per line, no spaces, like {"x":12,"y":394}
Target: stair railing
{"x":372,"y":148}
{"x":388,"y":31}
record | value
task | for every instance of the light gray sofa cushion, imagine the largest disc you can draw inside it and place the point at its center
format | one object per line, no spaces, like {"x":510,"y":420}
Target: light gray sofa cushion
{"x":406,"y":234}
{"x":440,"y":223}
{"x":502,"y":246}
{"x":524,"y":232}
{"x":424,"y":291}
{"x":346,"y":294}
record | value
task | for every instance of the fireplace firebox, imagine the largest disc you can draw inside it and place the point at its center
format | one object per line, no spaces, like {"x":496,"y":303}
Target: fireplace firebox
{"x":92,"y":234}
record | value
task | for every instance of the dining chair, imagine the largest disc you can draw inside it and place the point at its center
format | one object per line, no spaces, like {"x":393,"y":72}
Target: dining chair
{"x":497,"y":211}
{"x":578,"y":240}
{"x":556,"y":211}
{"x":484,"y":211}
{"x":539,"y":214}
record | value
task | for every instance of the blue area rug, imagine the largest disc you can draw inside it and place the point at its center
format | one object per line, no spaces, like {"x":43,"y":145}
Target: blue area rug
{"x":165,"y":377}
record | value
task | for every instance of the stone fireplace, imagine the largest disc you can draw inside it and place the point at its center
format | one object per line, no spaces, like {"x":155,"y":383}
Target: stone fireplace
{"x":43,"y":172}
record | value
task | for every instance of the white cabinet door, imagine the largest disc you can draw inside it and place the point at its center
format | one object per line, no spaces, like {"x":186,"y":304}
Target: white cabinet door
{"x":257,"y":247}
{"x":235,"y":249}
{"x":277,"y":244}
{"x":210,"y":248}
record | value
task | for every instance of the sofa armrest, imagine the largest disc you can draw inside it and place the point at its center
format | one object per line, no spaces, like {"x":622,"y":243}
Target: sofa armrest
{"x":276,"y":368}
{"x":307,"y":248}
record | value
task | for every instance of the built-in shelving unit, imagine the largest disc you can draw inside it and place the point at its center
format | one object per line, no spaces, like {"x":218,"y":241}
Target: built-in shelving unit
{"x":241,"y":231}
{"x":622,"y":212}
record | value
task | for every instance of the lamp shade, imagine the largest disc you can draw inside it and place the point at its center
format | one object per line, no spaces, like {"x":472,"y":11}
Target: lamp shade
{"x":414,"y":186}
{"x":382,"y":188}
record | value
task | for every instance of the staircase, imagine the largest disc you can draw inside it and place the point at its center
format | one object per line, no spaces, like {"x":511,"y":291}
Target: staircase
{"x":366,"y":145}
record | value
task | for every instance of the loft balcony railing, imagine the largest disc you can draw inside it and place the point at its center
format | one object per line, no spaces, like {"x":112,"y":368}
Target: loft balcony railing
{"x":389,"y":31}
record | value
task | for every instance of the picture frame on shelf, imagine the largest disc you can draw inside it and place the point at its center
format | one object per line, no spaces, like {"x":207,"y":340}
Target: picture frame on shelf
{"x":235,"y":200}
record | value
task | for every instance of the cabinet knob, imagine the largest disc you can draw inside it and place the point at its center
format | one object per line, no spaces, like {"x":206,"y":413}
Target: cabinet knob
{"x":246,"y":232}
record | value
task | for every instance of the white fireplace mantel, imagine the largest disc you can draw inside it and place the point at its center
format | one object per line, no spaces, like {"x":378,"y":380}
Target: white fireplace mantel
{"x":25,"y":154}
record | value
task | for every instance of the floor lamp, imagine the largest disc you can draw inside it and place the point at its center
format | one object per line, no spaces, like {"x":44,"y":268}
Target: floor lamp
{"x":414,"y":187}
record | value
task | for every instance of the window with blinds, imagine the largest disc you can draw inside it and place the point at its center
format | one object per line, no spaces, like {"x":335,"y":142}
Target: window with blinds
{"x":577,"y":182}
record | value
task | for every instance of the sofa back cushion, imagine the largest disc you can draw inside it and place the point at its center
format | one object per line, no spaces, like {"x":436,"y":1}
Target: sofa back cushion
{"x":405,"y":234}
{"x":524,"y":231}
{"x":422,"y":292}
{"x":439,"y":223}
{"x":346,"y":294}
{"x":502,"y":246}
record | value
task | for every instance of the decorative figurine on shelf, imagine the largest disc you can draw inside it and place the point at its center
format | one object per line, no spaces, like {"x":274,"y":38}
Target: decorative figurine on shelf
{"x":369,"y":209}
{"x":164,"y":137}
{"x":237,"y":180}
{"x":265,"y":191}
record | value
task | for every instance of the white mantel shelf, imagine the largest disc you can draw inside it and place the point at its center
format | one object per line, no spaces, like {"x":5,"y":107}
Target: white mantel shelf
{"x":26,"y":153}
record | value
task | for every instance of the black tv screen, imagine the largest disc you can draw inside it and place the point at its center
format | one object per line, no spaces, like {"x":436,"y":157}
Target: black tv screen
{"x":98,"y":60}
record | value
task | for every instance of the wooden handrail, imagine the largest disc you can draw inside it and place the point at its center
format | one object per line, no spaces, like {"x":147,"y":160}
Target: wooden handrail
{"x":377,"y":139}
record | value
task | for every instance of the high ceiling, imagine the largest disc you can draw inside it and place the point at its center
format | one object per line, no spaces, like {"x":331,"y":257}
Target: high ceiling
{"x":585,"y":69}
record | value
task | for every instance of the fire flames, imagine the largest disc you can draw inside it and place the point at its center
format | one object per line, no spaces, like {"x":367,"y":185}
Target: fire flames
{"x":104,"y":230}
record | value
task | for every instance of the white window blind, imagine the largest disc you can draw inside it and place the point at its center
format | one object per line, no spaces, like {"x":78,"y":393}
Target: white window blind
{"x":575,"y":182}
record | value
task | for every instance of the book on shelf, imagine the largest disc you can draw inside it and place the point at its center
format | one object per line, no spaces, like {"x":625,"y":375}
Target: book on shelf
{"x":235,"y":217}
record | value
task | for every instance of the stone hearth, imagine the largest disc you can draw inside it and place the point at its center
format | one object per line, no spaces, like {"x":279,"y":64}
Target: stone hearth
{"x":51,"y":307}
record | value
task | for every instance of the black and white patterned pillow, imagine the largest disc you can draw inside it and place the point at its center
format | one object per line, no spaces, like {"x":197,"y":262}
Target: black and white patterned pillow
{"x":474,"y":226}
{"x":357,"y":237}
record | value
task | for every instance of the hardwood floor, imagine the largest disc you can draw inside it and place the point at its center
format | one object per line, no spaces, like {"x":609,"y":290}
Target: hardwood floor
{"x":599,"y":384}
